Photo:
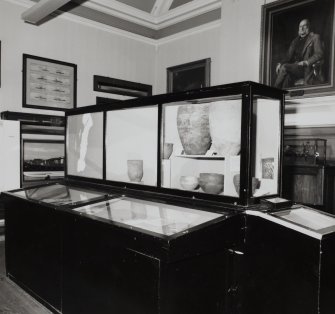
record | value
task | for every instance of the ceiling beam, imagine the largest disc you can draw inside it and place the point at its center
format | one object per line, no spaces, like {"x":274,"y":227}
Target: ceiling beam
{"x":41,"y":10}
{"x":160,"y":7}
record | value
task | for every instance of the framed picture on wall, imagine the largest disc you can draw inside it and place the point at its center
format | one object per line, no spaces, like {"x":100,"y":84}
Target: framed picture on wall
{"x":41,"y":160}
{"x":297,"y":47}
{"x":49,"y":84}
{"x":192,"y":75}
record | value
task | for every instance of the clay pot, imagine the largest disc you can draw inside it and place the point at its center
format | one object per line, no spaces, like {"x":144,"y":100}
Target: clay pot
{"x":193,"y":128}
{"x":135,"y":170}
{"x":236,"y":181}
{"x":189,"y":182}
{"x":167,"y":150}
{"x":225,"y":127}
{"x":211,"y":183}
{"x":255,"y":184}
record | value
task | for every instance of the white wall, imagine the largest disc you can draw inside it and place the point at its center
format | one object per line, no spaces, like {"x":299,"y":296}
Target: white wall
{"x":240,"y":40}
{"x":94,"y":50}
{"x":192,"y":46}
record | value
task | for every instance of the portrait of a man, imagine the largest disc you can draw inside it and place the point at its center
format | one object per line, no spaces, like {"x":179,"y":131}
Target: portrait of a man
{"x":303,"y":64}
{"x":298,"y":45}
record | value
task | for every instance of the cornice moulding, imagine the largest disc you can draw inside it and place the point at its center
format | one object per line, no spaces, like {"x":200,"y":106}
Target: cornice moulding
{"x":134,"y":15}
{"x":117,"y":31}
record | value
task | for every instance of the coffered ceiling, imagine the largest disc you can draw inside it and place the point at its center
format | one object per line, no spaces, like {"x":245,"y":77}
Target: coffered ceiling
{"x":149,"y":18}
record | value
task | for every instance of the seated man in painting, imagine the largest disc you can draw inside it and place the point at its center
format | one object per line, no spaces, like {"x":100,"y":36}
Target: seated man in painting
{"x":304,"y":58}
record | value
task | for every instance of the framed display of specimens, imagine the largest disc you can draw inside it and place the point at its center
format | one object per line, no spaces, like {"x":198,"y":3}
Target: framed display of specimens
{"x":42,"y":160}
{"x":188,"y":76}
{"x":49,"y":84}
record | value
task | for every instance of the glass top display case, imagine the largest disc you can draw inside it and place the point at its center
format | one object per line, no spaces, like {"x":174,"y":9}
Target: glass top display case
{"x":221,"y":143}
{"x":309,"y":218}
{"x":60,"y":194}
{"x":149,"y":216}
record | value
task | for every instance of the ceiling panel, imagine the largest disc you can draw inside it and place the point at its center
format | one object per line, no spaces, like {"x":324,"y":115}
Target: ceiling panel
{"x":178,"y":3}
{"x":144,"y":5}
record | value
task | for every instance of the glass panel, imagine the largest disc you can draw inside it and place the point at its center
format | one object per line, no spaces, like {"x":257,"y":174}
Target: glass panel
{"x":307,"y":218}
{"x":150,"y":216}
{"x":59,"y":194}
{"x":266,"y":148}
{"x":84,"y":144}
{"x":201,"y":146}
{"x":131,"y":145}
{"x":304,"y":151}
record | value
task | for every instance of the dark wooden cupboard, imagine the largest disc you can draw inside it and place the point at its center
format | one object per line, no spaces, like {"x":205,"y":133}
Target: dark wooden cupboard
{"x":311,"y":185}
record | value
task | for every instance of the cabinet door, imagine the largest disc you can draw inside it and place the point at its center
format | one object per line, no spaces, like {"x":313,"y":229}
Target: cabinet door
{"x":101,"y":275}
{"x":33,"y":250}
{"x":304,"y":185}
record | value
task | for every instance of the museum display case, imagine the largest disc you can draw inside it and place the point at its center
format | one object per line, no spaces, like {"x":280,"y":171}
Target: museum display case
{"x":305,"y":151}
{"x":307,"y":176}
{"x":187,"y":144}
{"x":297,"y":261}
{"x":171,"y":204}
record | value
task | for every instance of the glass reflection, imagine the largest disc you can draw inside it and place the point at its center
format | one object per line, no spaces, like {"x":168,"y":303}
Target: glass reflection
{"x":58,"y":194}
{"x":150,"y":216}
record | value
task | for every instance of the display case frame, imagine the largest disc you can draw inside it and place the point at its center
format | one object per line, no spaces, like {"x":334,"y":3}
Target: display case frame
{"x":247,"y":90}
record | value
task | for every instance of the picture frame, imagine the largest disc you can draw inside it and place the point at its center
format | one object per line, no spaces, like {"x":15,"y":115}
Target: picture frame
{"x":279,"y":36}
{"x":48,"y":84}
{"x":268,"y":166}
{"x":187,"y":76}
{"x":41,"y":160}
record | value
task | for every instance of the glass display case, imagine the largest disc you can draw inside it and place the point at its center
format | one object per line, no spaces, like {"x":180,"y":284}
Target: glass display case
{"x":216,"y":143}
{"x":149,"y":216}
{"x":60,"y":194}
{"x":305,"y":151}
{"x":309,"y":218}
{"x":202,"y":151}
{"x":84,"y":145}
{"x":131,"y":145}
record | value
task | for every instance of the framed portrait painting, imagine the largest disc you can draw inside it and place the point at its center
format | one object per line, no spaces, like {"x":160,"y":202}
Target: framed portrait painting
{"x":297,"y":47}
{"x":49,"y":84}
{"x":188,"y":76}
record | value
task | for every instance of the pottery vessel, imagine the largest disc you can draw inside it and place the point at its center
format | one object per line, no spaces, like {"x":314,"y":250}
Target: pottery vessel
{"x":193,"y":128}
{"x":167,"y":150}
{"x":255,"y":184}
{"x":211,"y":183}
{"x":225,"y":127}
{"x":135,"y":170}
{"x":189,"y":182}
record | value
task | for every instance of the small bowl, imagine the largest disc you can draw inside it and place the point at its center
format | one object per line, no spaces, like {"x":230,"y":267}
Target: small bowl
{"x":212,"y":177}
{"x":189,"y":182}
{"x":211,"y":183}
{"x":211,"y":188}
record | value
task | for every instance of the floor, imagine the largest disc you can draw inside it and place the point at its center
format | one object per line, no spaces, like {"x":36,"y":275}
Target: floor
{"x":13,"y":300}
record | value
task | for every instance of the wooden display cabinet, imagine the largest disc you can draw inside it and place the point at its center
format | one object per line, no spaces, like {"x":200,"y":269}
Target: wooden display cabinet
{"x":122,"y":234}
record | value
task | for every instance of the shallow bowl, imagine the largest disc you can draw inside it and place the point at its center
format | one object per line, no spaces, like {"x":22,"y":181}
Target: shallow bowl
{"x":215,"y":178}
{"x":211,"y":188}
{"x":189,"y":182}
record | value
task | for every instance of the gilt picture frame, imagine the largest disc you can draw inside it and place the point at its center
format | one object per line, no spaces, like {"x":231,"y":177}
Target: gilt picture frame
{"x":280,"y":24}
{"x":188,"y":76}
{"x":48,"y":84}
